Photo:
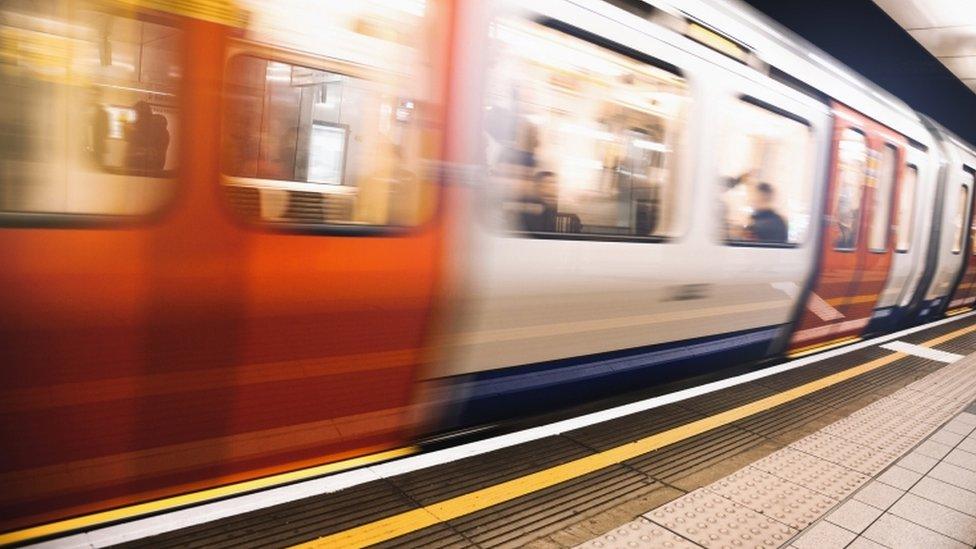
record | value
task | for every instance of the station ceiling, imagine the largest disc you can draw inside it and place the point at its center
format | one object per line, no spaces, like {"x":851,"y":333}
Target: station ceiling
{"x":946,"y":28}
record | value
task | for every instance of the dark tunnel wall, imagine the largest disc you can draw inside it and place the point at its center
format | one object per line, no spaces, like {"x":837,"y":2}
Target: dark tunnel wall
{"x":862,"y":36}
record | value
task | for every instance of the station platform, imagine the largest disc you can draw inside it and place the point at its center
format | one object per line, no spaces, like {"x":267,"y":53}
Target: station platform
{"x":869,"y":445}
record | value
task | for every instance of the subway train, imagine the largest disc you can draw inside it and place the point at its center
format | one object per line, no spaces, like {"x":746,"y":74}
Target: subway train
{"x":242,"y":239}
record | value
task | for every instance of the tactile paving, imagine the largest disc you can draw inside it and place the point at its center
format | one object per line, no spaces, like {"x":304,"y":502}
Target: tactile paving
{"x":711,"y":520}
{"x":812,"y":472}
{"x":843,"y":452}
{"x":639,"y":533}
{"x":774,"y":497}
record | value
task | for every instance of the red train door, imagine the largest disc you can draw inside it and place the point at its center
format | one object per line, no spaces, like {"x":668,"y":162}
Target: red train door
{"x":857,"y":246}
{"x":964,"y":296}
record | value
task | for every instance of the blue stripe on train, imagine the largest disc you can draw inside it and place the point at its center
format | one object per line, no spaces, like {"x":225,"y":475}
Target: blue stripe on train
{"x":509,"y":392}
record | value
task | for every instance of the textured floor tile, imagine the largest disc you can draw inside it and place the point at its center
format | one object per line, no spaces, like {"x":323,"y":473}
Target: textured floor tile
{"x":878,"y":494}
{"x":899,"y":477}
{"x":945,"y":437}
{"x":854,"y":515}
{"x":939,"y":518}
{"x":815,"y":473}
{"x":955,"y":426}
{"x":843,"y":452}
{"x":968,"y":444}
{"x":957,"y":476}
{"x":898,"y":533}
{"x":917,"y":462}
{"x":774,"y":497}
{"x":824,"y":535}
{"x":639,"y":533}
{"x":962,"y":459}
{"x":946,"y":494}
{"x":710,"y":520}
{"x":967,"y":418}
{"x":934,"y":449}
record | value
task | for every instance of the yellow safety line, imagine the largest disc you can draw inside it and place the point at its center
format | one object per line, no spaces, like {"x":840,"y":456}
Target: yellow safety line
{"x":165,"y":504}
{"x":803,"y":351}
{"x":959,"y":310}
{"x":410,"y":521}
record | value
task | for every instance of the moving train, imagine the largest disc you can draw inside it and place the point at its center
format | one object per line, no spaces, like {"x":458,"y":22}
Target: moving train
{"x":246,"y":238}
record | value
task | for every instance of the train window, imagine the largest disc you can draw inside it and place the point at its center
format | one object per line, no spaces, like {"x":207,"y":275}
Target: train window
{"x":765,"y":181}
{"x":906,"y":209}
{"x":310,"y":146}
{"x":89,"y":110}
{"x":852,"y":156}
{"x":881,"y":205}
{"x":580,"y":140}
{"x":960,"y":232}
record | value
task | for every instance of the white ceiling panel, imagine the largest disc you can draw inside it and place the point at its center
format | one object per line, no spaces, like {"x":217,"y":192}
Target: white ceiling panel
{"x":946,"y":28}
{"x":921,"y":14}
{"x":949,"y":41}
{"x":963,"y":67}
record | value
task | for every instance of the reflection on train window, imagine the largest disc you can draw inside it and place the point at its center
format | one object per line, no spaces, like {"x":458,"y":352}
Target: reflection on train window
{"x":765,"y":186}
{"x":960,"y":232}
{"x":580,"y":139}
{"x":906,"y":209}
{"x":311,"y":146}
{"x":89,"y":113}
{"x":881,"y":205}
{"x":852,"y":156}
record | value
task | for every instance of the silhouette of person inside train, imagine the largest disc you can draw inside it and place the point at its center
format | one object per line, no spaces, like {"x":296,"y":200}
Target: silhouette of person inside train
{"x":765,"y":225}
{"x":99,"y":129}
{"x":147,"y":139}
{"x":160,"y":143}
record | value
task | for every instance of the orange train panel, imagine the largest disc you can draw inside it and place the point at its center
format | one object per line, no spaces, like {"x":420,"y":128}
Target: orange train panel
{"x":149,"y":360}
{"x":851,"y":276}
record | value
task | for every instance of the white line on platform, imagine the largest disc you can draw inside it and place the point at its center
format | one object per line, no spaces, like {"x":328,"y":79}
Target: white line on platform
{"x":207,"y":512}
{"x":924,"y":352}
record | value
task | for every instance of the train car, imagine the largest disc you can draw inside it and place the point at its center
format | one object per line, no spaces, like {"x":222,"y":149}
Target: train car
{"x":220,"y":243}
{"x":629,"y":147}
{"x":253,"y":241}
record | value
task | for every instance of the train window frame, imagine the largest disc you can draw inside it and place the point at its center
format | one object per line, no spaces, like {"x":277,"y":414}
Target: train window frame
{"x":959,"y":240}
{"x":679,"y":213}
{"x":54,"y":219}
{"x":908,"y":167}
{"x":268,"y":52}
{"x":895,"y":180}
{"x":779,"y":111}
{"x":835,"y":146}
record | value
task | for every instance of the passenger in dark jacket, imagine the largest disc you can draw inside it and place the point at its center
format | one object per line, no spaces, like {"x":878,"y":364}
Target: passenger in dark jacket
{"x":766,"y":224}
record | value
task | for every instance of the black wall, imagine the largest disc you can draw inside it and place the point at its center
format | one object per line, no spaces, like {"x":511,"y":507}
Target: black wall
{"x":863,"y":37}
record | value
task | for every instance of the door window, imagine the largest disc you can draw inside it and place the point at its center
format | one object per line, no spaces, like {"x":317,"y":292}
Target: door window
{"x":960,"y":222}
{"x":881,"y":205}
{"x":852,"y":156}
{"x":906,"y":209}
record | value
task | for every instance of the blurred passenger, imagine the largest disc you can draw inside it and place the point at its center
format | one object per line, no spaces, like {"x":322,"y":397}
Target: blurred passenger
{"x":159,"y":144}
{"x":99,"y":129}
{"x":139,"y":137}
{"x":766,"y":225}
{"x":537,"y":207}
